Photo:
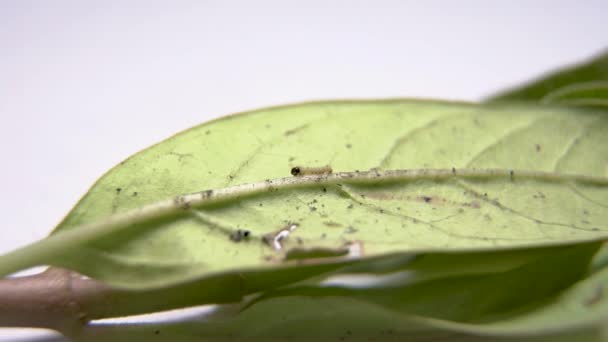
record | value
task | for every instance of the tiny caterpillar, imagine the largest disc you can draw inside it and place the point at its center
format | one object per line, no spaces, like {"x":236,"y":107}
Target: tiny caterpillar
{"x":303,"y":171}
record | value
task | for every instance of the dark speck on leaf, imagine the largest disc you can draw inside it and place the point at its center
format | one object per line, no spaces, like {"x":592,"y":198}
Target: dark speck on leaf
{"x":134,"y":193}
{"x":156,"y":332}
{"x":312,"y":208}
{"x":240,"y":234}
{"x":349,"y":146}
{"x":207,"y":132}
{"x":537,"y":147}
{"x":118,"y":190}
{"x":324,"y":189}
{"x":350,"y":206}
{"x":427,"y":199}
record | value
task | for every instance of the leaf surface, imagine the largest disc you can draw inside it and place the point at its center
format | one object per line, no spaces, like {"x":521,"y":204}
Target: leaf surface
{"x":350,"y":219}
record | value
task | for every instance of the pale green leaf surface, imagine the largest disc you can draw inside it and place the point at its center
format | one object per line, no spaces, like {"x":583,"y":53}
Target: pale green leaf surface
{"x":343,"y":320}
{"x":355,"y":322}
{"x":417,"y":215}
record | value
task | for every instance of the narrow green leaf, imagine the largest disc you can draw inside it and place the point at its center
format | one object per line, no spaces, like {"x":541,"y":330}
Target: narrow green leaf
{"x":466,"y":296}
{"x":585,"y":84}
{"x":371,"y":327}
{"x":593,"y":93}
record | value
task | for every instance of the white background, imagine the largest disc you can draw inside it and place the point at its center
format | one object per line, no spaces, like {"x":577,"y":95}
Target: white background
{"x":85,"y":84}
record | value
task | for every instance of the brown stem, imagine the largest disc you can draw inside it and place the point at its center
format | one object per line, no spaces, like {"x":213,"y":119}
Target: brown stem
{"x":55,"y":299}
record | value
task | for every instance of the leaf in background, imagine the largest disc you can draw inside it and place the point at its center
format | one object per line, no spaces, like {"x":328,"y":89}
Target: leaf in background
{"x":574,"y":313}
{"x":593,"y":94}
{"x":371,"y":324}
{"x":418,"y":214}
{"x":493,"y":295}
{"x":417,"y":269}
{"x":584,"y":84}
{"x":396,"y":313}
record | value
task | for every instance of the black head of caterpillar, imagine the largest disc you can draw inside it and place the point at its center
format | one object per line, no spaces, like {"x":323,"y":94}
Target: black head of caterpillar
{"x":303,"y":171}
{"x":295,"y":171}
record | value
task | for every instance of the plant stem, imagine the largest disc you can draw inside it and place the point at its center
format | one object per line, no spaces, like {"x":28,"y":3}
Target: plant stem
{"x":55,"y":299}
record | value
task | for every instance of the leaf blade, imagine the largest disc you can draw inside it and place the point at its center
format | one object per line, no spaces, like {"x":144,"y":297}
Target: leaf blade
{"x":421,"y":214}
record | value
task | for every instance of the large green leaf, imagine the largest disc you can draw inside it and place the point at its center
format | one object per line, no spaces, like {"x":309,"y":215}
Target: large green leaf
{"x":556,"y":194}
{"x":585,"y":84}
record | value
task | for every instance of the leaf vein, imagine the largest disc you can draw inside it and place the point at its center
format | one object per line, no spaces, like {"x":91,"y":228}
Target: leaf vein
{"x":522,"y":215}
{"x":500,"y":140}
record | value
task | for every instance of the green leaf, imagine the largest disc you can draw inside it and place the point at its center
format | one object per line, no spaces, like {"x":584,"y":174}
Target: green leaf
{"x":503,"y":176}
{"x":464,"y":295}
{"x":420,"y":268}
{"x":585,"y":84}
{"x":593,"y":93}
{"x":524,"y":303}
{"x":343,"y":320}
